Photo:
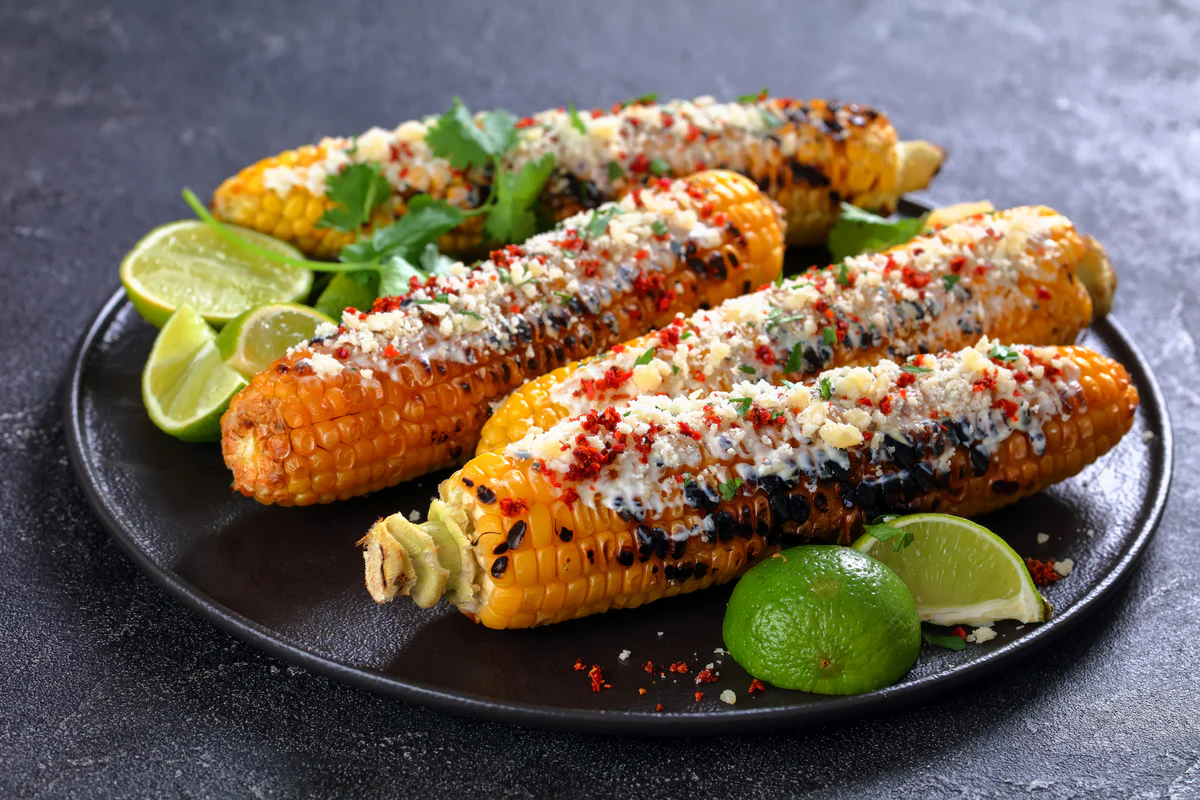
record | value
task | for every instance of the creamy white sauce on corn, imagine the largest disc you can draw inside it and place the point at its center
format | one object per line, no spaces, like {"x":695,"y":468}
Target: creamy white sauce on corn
{"x":616,"y":149}
{"x":935,"y":285}
{"x":641,"y":456}
{"x":494,"y":306}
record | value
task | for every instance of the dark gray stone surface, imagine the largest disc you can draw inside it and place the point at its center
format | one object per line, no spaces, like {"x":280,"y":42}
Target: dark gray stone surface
{"x":109,"y":688}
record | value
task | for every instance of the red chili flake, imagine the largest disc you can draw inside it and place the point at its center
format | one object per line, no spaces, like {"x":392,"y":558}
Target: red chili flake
{"x":699,"y":696}
{"x":905,"y":379}
{"x":640,"y":163}
{"x":1008,"y":406}
{"x":698,"y":376}
{"x":669,"y":336}
{"x":641,"y":691}
{"x":579,"y":665}
{"x":649,"y":667}
{"x":390,"y":351}
{"x":959,"y":632}
{"x":663,"y":183}
{"x":642,"y":255}
{"x":341,"y":352}
{"x":982,"y":270}
{"x":885,"y":405}
{"x":865,"y":401}
{"x":667,"y":120}
{"x":720,"y":219}
{"x":688,"y":430}
{"x":679,"y":667}
{"x":658,"y":707}
{"x":695,"y":192}
{"x":1042,"y":571}
{"x":986,"y":383}
{"x":705,"y":211}
{"x":693,"y":133}
{"x":756,"y":686}
{"x":914,"y":279}
{"x":710,"y":416}
{"x":1043,"y":293}
{"x":636,"y":194}
{"x":701,"y":165}
{"x":957,"y":263}
{"x":1020,"y":376}
{"x":513,"y":508}
{"x":761,"y":417}
{"x":569,"y":496}
{"x":524,"y":122}
{"x":597,"y":677}
{"x":706,"y":676}
{"x":765,"y":354}
{"x":889,"y":265}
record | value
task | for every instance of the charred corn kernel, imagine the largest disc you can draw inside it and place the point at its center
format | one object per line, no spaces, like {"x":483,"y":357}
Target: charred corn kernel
{"x":1012,"y":275}
{"x":807,"y":156}
{"x":418,"y":372}
{"x":705,"y":487}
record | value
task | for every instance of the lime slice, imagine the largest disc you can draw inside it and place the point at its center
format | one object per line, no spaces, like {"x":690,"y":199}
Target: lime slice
{"x":255,"y":339}
{"x":189,"y":263}
{"x":960,"y":573}
{"x":823,"y":619}
{"x":185,"y":385}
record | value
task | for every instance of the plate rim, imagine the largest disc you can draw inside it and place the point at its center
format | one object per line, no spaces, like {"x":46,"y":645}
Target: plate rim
{"x":731,"y":721}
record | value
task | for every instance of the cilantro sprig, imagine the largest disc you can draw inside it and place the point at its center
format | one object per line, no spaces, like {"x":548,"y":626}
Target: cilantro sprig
{"x":858,"y":231}
{"x":729,"y":488}
{"x":884,"y":531}
{"x":357,"y":190}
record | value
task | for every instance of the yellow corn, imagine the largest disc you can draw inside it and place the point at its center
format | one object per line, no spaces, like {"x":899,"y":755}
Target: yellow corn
{"x":537,"y":535}
{"x":1012,"y":275}
{"x":404,"y":390}
{"x":807,"y":156}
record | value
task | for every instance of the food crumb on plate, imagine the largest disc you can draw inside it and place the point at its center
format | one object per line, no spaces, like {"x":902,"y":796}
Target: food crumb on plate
{"x":1064,"y":567}
{"x":728,"y":696}
{"x":660,"y":633}
{"x":981,"y":635}
{"x":1043,"y":538}
{"x":413,"y":516}
{"x":1148,"y":437}
{"x":624,"y":656}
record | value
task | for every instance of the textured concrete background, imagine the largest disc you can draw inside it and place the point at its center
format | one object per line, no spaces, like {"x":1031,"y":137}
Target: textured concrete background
{"x":108,"y":688}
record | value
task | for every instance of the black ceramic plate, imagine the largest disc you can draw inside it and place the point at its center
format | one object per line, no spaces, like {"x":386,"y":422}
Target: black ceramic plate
{"x":290,"y":580}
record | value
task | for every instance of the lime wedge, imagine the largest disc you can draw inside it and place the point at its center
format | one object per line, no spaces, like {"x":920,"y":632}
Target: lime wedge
{"x":185,"y":385}
{"x":189,"y":263}
{"x":255,"y":339}
{"x":960,"y":573}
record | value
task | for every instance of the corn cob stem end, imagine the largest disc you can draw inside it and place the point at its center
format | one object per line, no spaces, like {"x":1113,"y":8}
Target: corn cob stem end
{"x":428,"y":561}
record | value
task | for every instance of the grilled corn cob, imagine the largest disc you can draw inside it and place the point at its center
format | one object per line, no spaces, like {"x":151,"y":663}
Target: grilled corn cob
{"x":404,"y":390}
{"x":1010,"y":275}
{"x":806,"y":156}
{"x":663,"y":496}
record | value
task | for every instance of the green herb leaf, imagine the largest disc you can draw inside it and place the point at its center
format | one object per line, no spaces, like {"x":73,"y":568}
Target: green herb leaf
{"x":914,"y":369}
{"x":512,"y":218}
{"x":576,"y":122}
{"x":858,"y":231}
{"x":884,"y":532}
{"x":746,"y":368}
{"x":743,"y":404}
{"x":566,"y":297}
{"x":357,"y":190}
{"x":645,"y":357}
{"x":729,"y":488}
{"x":770,"y":120}
{"x":615,"y":170}
{"x":598,"y":223}
{"x":950,"y":642}
{"x":674,"y":369}
{"x":949,"y":281}
{"x":659,"y":166}
{"x":659,"y":227}
{"x":843,"y":275}
{"x":826,"y":388}
{"x":795,"y":362}
{"x":1003,"y":353}
{"x":433,"y":261}
{"x":753,"y":98}
{"x":427,"y":219}
{"x":456,"y":137}
{"x":644,"y":99}
{"x":829,"y":336}
{"x":395,"y":272}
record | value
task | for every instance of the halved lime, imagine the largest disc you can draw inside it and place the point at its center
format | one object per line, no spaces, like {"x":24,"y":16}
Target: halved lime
{"x":189,"y":263}
{"x":253,"y":340}
{"x":960,"y":573}
{"x":185,"y":385}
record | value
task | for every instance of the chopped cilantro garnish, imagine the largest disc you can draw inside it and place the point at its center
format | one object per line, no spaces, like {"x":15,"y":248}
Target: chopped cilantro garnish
{"x":566,"y":297}
{"x":949,"y":281}
{"x":729,"y":488}
{"x":474,"y":314}
{"x":843,"y":276}
{"x":1002,"y":353}
{"x":882,"y":530}
{"x":685,"y":335}
{"x":674,"y":369}
{"x":645,"y":357}
{"x":746,"y":368}
{"x":644,"y":100}
{"x":951,"y":642}
{"x":858,"y":231}
{"x":753,"y":98}
{"x":576,"y":122}
{"x":598,"y":223}
{"x":456,"y":137}
{"x":795,"y":362}
{"x":770,"y":120}
{"x":659,"y":227}
{"x":913,"y":368}
{"x":357,"y":190}
{"x":659,"y":166}
{"x":829,"y":335}
{"x":788,"y":384}
{"x":615,"y":170}
{"x":826,"y":388}
{"x":743,"y":404}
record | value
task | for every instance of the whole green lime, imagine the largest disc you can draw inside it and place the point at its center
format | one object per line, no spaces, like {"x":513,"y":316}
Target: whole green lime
{"x":823,"y":619}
